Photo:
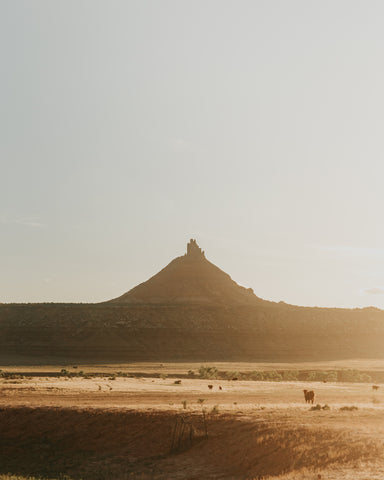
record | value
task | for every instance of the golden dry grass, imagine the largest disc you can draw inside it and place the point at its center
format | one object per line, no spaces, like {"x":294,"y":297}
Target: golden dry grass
{"x":102,"y":429}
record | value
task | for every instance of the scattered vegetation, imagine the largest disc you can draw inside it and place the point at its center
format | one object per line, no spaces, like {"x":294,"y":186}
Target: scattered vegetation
{"x":208,"y":372}
{"x":200,"y":402}
{"x":322,"y":376}
{"x":319,"y":407}
{"x":11,"y":376}
{"x":353,"y":376}
{"x":66,"y":373}
{"x":348,"y":375}
{"x":348,"y":408}
{"x":215,"y":410}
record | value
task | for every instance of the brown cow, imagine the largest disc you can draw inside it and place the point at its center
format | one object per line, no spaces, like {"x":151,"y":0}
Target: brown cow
{"x":309,"y":396}
{"x":210,"y":387}
{"x":375,"y":387}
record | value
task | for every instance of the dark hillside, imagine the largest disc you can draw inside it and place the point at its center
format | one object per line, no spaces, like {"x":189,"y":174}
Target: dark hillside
{"x":190,"y":311}
{"x":271,"y":332}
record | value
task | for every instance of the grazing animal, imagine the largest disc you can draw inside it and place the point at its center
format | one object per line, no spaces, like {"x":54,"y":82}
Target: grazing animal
{"x":220,"y":387}
{"x":177,"y":382}
{"x":234,"y":379}
{"x":309,"y":396}
{"x":375,"y":387}
{"x":210,"y":387}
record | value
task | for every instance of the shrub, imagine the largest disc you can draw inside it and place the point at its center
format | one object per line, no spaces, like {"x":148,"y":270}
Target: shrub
{"x":256,"y":375}
{"x":354,"y":376}
{"x":348,"y":408}
{"x":332,"y":376}
{"x":317,"y":376}
{"x":215,"y":410}
{"x":272,"y":376}
{"x":208,"y":372}
{"x":322,"y":376}
{"x":289,"y":375}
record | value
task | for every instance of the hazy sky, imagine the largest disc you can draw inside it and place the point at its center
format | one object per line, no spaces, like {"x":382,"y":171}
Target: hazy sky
{"x":256,"y":127}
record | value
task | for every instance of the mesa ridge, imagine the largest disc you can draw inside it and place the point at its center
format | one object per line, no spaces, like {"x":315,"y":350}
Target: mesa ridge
{"x":189,"y":311}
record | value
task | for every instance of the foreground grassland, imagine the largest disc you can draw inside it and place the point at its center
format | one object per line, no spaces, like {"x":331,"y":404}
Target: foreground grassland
{"x":167,"y":424}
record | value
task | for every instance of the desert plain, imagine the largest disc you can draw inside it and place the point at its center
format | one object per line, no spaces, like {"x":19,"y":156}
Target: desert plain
{"x":163,"y":421}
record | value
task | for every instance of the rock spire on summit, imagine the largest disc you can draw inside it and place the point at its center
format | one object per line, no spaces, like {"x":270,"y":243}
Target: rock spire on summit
{"x":193,"y":250}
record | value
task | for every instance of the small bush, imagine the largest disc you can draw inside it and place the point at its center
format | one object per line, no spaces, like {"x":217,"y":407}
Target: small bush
{"x":272,"y":376}
{"x":348,"y":408}
{"x":215,"y":410}
{"x":332,"y":376}
{"x":257,"y":376}
{"x":289,"y":375}
{"x":208,"y":372}
{"x":354,"y":376}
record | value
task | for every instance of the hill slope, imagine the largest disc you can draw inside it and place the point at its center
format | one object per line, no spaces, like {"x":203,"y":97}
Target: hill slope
{"x":190,"y":279}
{"x":190,"y":311}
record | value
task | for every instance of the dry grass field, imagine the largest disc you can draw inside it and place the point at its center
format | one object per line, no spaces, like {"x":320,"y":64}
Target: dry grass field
{"x":145,"y":427}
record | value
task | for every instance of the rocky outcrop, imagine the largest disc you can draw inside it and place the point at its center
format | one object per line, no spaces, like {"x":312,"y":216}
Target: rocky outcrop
{"x":190,"y":279}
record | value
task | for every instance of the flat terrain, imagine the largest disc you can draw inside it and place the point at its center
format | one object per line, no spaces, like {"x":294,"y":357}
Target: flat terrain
{"x":184,"y":367}
{"x":155,"y":393}
{"x":146,"y":427}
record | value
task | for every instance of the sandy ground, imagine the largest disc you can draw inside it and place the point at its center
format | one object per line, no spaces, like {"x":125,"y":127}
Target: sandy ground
{"x":144,"y":393}
{"x":124,"y":427}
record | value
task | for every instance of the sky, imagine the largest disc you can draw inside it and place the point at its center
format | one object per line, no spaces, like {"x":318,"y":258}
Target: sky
{"x":128,"y":127}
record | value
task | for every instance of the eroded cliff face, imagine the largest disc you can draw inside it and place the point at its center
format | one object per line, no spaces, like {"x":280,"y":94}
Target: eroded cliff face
{"x":190,"y":279}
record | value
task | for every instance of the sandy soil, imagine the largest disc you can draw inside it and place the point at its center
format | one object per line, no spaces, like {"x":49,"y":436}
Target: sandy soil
{"x":144,"y":393}
{"x":125,"y":428}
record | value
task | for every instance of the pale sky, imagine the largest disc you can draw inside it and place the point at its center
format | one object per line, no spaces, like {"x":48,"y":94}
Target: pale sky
{"x":128,"y":127}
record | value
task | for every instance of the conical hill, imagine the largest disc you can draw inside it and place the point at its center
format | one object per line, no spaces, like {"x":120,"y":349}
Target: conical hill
{"x":190,"y":279}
